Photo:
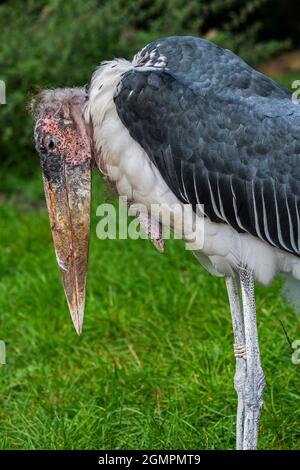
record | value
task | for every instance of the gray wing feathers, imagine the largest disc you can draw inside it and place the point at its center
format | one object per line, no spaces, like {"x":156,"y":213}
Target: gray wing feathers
{"x":221,"y":135}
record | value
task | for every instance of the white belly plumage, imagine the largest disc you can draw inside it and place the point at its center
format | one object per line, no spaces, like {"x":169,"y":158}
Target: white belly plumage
{"x":135,"y":176}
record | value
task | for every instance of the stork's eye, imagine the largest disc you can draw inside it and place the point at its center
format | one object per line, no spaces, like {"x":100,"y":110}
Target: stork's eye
{"x":49,"y":143}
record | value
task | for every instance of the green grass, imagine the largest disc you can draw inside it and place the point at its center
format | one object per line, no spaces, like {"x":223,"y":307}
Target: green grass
{"x":154,"y":366}
{"x":288,"y":79}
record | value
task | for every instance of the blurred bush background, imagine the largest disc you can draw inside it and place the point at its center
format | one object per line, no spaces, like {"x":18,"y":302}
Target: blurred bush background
{"x":51,"y":43}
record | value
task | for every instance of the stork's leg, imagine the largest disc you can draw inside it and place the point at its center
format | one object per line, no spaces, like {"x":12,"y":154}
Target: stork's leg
{"x":255,"y":380}
{"x":233,"y":289}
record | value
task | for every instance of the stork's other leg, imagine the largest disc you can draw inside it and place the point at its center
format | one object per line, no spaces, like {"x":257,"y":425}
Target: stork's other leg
{"x":255,"y":380}
{"x":233,"y":289}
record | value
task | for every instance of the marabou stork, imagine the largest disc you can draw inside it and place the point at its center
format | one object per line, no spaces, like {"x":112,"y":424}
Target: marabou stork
{"x":185,"y":122}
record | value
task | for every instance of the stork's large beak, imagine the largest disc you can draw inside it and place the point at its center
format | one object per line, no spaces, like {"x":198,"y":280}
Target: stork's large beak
{"x":68,"y":193}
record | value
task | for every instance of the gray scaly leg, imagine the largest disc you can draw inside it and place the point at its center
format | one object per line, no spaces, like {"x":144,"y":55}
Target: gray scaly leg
{"x":233,"y":291}
{"x":255,"y":380}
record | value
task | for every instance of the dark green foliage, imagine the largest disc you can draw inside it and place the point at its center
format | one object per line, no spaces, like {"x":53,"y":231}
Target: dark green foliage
{"x":57,"y":43}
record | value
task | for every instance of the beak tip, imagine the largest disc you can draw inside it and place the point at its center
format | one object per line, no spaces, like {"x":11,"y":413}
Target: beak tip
{"x":78,"y":332}
{"x":78,"y":323}
{"x":77,"y":314}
